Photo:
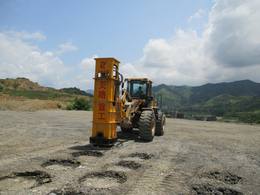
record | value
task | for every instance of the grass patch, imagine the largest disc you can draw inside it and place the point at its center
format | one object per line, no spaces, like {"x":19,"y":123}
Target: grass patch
{"x":43,"y":95}
{"x":52,"y":89}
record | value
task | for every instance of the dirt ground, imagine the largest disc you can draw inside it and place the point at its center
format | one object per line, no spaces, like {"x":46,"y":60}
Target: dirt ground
{"x":48,"y":152}
{"x":8,"y":102}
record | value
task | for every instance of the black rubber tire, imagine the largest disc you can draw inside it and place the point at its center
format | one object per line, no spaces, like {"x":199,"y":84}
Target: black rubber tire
{"x":126,"y":130}
{"x":147,"y":125}
{"x":160,"y":124}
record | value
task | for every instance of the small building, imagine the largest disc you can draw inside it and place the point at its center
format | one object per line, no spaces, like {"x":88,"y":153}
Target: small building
{"x":212,"y":118}
{"x":177,"y":115}
{"x":173,"y":114}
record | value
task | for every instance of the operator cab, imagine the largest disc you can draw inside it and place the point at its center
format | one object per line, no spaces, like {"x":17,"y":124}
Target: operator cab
{"x":139,"y":88}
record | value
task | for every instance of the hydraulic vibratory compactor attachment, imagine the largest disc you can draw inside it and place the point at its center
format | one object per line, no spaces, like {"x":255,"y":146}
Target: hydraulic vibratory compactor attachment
{"x":135,"y":106}
{"x":104,"y":104}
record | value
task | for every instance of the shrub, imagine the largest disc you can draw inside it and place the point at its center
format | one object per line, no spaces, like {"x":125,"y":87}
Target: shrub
{"x":70,"y":107}
{"x":58,"y":105}
{"x":1,"y":88}
{"x":15,"y":85}
{"x":53,"y":95}
{"x":6,"y":90}
{"x":81,"y":104}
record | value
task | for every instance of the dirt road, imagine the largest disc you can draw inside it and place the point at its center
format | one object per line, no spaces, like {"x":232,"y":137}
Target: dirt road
{"x":48,"y":152}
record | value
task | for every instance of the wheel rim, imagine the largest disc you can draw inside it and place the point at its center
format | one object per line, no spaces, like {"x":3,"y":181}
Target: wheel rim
{"x":153,"y":125}
{"x":163,"y":126}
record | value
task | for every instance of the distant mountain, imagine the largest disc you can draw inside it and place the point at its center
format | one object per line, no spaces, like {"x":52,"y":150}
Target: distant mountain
{"x":182,"y":96}
{"x":237,"y":88}
{"x":91,"y":91}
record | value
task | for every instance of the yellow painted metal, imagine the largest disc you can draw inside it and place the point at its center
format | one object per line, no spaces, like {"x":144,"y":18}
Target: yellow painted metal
{"x":104,"y":106}
{"x":153,"y":104}
{"x":139,"y":79}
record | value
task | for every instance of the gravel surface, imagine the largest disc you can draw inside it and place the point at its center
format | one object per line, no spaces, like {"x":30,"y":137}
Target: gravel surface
{"x":48,"y":152}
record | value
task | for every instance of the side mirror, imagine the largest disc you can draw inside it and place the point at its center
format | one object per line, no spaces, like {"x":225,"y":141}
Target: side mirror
{"x":122,"y":85}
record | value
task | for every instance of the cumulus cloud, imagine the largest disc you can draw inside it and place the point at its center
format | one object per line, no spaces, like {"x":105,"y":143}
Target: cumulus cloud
{"x":25,"y":35}
{"x":233,"y":39}
{"x":66,"y":47}
{"x":228,"y":50}
{"x":88,"y":63}
{"x":85,"y":79}
{"x":198,"y":14}
{"x":19,"y":59}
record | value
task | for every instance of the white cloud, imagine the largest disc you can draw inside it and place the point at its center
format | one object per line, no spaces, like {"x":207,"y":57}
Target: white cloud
{"x":19,"y":59}
{"x":129,"y":71}
{"x":88,"y":63}
{"x":233,"y":39}
{"x":85,"y":79}
{"x":228,"y":50}
{"x":25,"y":35}
{"x":66,"y":47}
{"x":198,"y":14}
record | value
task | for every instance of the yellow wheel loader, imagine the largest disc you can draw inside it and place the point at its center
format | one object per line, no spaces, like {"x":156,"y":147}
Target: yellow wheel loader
{"x":133,"y":107}
{"x":141,"y":109}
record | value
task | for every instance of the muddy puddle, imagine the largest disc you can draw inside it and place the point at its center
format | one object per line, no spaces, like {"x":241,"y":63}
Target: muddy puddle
{"x":87,"y":153}
{"x":129,"y":164}
{"x":225,"y":177}
{"x":104,"y":179}
{"x":140,"y":155}
{"x":24,"y":180}
{"x":60,"y":164}
{"x":210,"y":189}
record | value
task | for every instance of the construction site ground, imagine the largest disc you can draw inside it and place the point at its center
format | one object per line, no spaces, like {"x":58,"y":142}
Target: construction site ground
{"x":48,"y":152}
{"x":8,"y":102}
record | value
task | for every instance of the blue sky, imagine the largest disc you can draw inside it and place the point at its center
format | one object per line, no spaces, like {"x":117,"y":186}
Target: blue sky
{"x":172,"y":42}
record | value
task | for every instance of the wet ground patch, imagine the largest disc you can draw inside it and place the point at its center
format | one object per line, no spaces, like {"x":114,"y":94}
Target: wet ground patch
{"x":129,"y":164}
{"x":24,"y":180}
{"x":60,"y":164}
{"x":66,"y":192}
{"x":87,"y":153}
{"x":212,"y":190}
{"x":225,"y":176}
{"x":144,"y":156}
{"x":104,"y":179}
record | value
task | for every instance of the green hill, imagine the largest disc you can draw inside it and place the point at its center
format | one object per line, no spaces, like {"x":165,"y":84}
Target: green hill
{"x":173,"y":96}
{"x":183,"y":96}
{"x":76,"y":91}
{"x":239,"y":100}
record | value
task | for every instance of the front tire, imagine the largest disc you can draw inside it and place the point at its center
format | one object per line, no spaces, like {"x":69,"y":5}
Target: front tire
{"x":147,"y":125}
{"x":160,"y":124}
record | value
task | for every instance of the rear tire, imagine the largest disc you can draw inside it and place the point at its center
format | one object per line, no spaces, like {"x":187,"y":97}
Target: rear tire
{"x":160,"y":124}
{"x":126,"y":130}
{"x":147,"y":125}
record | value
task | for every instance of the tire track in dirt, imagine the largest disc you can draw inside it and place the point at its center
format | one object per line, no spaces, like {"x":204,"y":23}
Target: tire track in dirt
{"x":146,"y":183}
{"x":159,"y":178}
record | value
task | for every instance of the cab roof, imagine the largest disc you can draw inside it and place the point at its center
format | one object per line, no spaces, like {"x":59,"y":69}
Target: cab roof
{"x":138,"y":79}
